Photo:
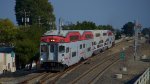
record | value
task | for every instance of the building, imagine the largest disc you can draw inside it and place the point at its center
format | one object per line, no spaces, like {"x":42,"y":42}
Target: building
{"x":7,"y":59}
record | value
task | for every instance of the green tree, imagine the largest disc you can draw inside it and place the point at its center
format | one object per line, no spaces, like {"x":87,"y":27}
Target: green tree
{"x":38,"y":11}
{"x":27,"y":45}
{"x":7,"y":31}
{"x":146,"y":31}
{"x":118,"y":34}
{"x":6,"y":23}
{"x":25,"y":50}
{"x":85,"y":25}
{"x":128,"y":29}
{"x":105,"y":27}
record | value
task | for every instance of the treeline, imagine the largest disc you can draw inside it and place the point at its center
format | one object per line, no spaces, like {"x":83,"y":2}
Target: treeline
{"x":146,"y":32}
{"x":86,"y":25}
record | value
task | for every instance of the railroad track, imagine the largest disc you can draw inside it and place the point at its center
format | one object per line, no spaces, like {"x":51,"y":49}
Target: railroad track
{"x":47,"y":77}
{"x":28,"y":79}
{"x":100,"y":68}
{"x":60,"y":75}
{"x":44,"y":78}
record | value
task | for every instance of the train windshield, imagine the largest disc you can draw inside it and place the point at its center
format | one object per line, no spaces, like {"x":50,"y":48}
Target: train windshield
{"x":61,"y":49}
{"x":44,"y":52}
{"x":52,"y":48}
{"x":44,"y":48}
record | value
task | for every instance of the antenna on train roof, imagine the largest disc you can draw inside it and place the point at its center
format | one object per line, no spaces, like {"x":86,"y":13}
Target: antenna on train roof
{"x":60,"y":25}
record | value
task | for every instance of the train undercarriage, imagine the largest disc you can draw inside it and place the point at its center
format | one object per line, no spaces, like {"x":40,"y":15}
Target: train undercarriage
{"x":53,"y":66}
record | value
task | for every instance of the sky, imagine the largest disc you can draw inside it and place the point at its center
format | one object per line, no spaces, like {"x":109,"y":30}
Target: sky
{"x":101,"y":12}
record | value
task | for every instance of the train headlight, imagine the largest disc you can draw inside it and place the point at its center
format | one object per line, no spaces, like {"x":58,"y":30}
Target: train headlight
{"x":41,"y":59}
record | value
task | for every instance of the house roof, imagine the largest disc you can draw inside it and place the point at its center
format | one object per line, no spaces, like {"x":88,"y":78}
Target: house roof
{"x":6,"y":49}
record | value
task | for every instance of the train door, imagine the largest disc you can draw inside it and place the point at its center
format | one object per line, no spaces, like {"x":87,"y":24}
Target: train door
{"x":88,"y":48}
{"x":81,"y":50}
{"x":53,"y":52}
{"x":44,"y":51}
{"x":67,"y":56}
{"x":61,"y":53}
{"x":74,"y":54}
{"x":110,"y":42}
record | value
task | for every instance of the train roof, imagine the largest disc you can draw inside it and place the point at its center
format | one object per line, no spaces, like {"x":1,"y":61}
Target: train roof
{"x":65,"y":32}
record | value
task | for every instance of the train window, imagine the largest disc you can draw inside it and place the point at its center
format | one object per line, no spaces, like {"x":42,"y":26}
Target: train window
{"x":88,"y":36}
{"x":89,"y":49}
{"x":104,"y":34}
{"x":92,"y":43}
{"x":43,"y":48}
{"x":97,"y":34}
{"x":101,"y":41}
{"x":83,"y":45}
{"x":67,"y":49}
{"x":52,"y":48}
{"x":13,"y":64}
{"x":73,"y":38}
{"x":101,"y":45}
{"x":61,"y":49}
{"x":97,"y":46}
{"x":8,"y":65}
{"x":95,"y":43}
{"x":73,"y":54}
{"x":80,"y":46}
{"x":107,"y":40}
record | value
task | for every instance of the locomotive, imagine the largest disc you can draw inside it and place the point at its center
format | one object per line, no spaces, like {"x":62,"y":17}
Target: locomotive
{"x":59,"y":50}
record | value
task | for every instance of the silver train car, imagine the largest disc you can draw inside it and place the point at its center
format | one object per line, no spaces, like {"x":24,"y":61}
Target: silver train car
{"x":68,"y":47}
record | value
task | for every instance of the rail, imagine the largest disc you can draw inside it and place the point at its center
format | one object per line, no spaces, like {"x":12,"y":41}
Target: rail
{"x":144,"y":78}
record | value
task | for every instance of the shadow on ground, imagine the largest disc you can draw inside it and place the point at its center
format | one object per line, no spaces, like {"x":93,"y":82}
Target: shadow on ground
{"x":133,"y":79}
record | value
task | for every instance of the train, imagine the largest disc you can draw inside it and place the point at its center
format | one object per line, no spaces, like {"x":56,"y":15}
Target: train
{"x":62,"y":49}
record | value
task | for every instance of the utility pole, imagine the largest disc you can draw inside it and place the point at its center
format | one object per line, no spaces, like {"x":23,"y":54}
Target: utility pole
{"x":39,"y":21}
{"x":25,"y":19}
{"x":137,"y":27}
{"x":51,"y":24}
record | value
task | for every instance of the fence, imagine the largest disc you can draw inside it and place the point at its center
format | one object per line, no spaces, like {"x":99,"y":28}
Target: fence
{"x":144,"y":78}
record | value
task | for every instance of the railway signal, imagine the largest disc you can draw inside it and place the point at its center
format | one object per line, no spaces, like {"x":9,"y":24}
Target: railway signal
{"x":122,"y":55}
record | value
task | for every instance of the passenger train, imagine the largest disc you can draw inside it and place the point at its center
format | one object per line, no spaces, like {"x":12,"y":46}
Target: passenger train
{"x":61,"y":49}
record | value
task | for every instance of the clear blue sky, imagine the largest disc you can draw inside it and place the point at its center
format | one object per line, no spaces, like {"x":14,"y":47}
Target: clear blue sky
{"x":102,"y":12}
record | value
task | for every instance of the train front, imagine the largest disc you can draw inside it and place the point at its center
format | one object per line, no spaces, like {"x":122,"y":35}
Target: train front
{"x":49,"y":59}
